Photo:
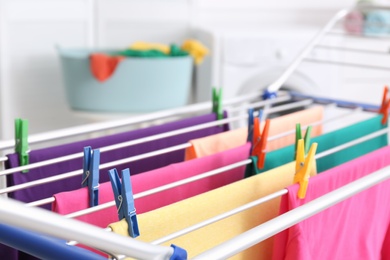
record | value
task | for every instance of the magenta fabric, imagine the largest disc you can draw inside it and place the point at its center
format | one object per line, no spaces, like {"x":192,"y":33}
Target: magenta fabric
{"x":386,"y":246}
{"x":353,"y":229}
{"x":71,"y":201}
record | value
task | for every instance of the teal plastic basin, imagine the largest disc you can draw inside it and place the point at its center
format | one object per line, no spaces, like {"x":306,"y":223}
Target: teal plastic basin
{"x":137,"y":84}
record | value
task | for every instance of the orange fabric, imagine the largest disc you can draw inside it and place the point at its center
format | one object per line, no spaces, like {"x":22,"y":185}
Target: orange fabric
{"x":216,"y":143}
{"x":227,"y":140}
{"x":103,"y":66}
{"x":288,"y":122}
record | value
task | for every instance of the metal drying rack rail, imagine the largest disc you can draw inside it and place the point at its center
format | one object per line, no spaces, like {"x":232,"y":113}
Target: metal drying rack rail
{"x":96,"y":127}
{"x":260,"y":233}
{"x":330,"y":29}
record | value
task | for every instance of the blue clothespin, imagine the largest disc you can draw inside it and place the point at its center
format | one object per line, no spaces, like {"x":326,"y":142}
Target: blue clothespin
{"x":178,"y":253}
{"x":217,"y":103}
{"x":124,"y":199}
{"x":250,"y":125}
{"x":269,"y":94}
{"x":91,"y":174}
{"x":21,"y":141}
{"x":251,"y":122}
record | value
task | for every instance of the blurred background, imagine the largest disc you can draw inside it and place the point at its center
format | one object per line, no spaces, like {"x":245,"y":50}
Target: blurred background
{"x":250,"y":43}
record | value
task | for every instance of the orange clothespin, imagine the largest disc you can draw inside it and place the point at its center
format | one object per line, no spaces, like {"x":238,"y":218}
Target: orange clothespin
{"x":303,"y":167}
{"x":260,"y":141}
{"x":385,"y":106}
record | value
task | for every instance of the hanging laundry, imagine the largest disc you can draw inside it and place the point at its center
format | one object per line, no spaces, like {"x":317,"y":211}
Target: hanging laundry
{"x":47,"y":190}
{"x":215,"y":143}
{"x":386,"y":249}
{"x":164,"y":221}
{"x":353,"y":229}
{"x":332,"y":139}
{"x":219,"y":142}
{"x":72,"y":201}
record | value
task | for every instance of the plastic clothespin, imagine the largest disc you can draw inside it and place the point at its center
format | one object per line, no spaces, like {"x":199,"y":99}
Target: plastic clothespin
{"x":91,"y":174}
{"x":258,"y":150}
{"x":260,"y":141}
{"x":124,"y":199}
{"x":385,"y":106}
{"x":217,"y":103}
{"x":250,"y":123}
{"x":269,"y":94}
{"x":298,"y":136}
{"x":21,"y":141}
{"x":303,"y":167}
{"x":178,"y":253}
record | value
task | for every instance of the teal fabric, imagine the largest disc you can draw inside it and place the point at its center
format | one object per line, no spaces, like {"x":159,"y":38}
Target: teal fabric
{"x":143,"y":54}
{"x":251,"y":169}
{"x":330,"y":140}
{"x":175,"y":51}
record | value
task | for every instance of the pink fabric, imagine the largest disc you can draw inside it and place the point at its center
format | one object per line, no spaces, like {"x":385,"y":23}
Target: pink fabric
{"x":68,"y":202}
{"x":353,"y":229}
{"x":386,"y":246}
{"x":354,"y":22}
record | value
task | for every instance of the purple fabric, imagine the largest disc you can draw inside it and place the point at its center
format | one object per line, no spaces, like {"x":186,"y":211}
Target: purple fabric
{"x":47,"y":190}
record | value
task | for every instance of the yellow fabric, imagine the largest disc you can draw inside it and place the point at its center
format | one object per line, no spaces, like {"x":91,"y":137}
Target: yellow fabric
{"x":164,"y":221}
{"x":143,"y":46}
{"x":120,"y":227}
{"x":227,"y":140}
{"x":196,"y":49}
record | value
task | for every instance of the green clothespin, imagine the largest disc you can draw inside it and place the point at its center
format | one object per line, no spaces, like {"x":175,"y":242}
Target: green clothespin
{"x":298,"y":135}
{"x":21,"y":141}
{"x":217,"y":103}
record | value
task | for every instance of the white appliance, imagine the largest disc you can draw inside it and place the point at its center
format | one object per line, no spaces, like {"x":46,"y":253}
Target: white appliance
{"x":246,"y":61}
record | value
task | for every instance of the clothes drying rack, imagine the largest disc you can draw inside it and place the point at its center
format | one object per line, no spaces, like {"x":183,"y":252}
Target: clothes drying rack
{"x":165,"y":114}
{"x":38,"y":220}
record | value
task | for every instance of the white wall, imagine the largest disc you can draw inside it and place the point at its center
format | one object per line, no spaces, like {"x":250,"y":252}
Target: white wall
{"x":30,"y":74}
{"x":31,"y":85}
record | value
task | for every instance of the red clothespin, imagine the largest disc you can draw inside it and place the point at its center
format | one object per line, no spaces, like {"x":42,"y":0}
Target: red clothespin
{"x":260,"y":141}
{"x":385,"y":106}
{"x":303,"y":167}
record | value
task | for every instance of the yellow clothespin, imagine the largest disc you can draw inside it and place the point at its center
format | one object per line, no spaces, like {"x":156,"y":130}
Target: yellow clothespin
{"x":303,"y":167}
